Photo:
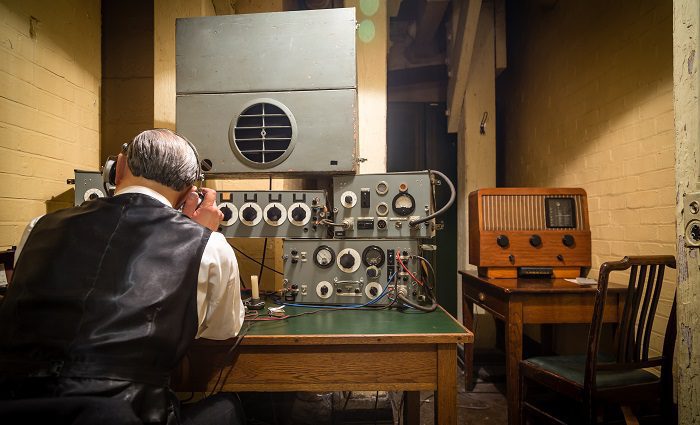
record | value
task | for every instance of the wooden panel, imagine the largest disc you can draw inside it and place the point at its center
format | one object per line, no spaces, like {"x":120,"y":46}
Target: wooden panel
{"x":285,"y":368}
{"x":569,"y":308}
{"x":487,"y":299}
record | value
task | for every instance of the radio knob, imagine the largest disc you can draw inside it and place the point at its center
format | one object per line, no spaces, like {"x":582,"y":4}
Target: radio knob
{"x":249,"y":214}
{"x":274,"y":214}
{"x":226,"y":211}
{"x":372,"y":272}
{"x":348,"y":199}
{"x":347,"y":260}
{"x":373,"y":291}
{"x":298,"y":214}
{"x":324,"y":290}
{"x":535,"y":240}
{"x":568,"y":240}
{"x":502,"y":241}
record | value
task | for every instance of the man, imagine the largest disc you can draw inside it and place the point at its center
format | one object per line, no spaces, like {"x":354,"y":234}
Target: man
{"x":107,"y":297}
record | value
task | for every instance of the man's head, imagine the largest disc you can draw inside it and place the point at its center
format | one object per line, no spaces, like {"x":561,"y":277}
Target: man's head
{"x":159,"y":159}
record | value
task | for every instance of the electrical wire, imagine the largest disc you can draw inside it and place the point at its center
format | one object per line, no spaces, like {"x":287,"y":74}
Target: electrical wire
{"x":254,"y":260}
{"x":453,"y":195}
{"x":228,"y":360}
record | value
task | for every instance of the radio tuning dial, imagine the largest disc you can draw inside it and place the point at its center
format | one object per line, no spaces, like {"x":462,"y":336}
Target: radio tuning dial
{"x":249,"y":213}
{"x":347,"y":260}
{"x":274,"y":213}
{"x":372,"y":272}
{"x":502,"y":241}
{"x":568,"y":241}
{"x":226,"y":211}
{"x":535,"y":241}
{"x":298,"y":214}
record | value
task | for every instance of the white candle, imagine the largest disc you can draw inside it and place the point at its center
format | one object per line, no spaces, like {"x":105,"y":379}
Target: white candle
{"x":254,"y":287}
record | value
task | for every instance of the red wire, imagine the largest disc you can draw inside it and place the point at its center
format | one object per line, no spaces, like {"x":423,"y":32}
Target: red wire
{"x":398,"y":258}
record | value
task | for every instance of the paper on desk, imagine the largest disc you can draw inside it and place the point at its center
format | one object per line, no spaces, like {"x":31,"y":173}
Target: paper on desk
{"x":582,"y":281}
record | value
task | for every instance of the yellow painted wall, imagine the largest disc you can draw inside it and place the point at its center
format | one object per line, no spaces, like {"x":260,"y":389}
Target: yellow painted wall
{"x":49,"y":105}
{"x":587,"y":101}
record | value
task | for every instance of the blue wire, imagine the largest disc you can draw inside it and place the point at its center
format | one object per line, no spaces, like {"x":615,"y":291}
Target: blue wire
{"x":373,"y":301}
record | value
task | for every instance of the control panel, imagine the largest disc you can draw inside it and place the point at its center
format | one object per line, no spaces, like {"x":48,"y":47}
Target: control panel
{"x":89,"y":185}
{"x":350,"y":271}
{"x":269,"y":214}
{"x":383,"y":205}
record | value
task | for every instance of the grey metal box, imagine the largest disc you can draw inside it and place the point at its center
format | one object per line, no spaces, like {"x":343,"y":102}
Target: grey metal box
{"x":89,"y":185}
{"x":382,"y":205}
{"x":281,"y":51}
{"x":313,"y":276}
{"x":272,"y":214}
{"x":319,"y":136}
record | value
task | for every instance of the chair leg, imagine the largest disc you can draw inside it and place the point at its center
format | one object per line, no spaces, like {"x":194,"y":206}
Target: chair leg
{"x":630,"y":417}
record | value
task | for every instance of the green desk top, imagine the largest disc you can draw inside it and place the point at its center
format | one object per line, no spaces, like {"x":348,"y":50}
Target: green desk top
{"x":358,"y":322}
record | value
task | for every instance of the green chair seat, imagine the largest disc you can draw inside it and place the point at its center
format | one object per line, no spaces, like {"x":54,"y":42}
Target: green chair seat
{"x":573,"y":368}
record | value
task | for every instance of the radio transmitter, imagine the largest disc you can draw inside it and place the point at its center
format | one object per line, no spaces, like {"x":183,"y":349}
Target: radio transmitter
{"x":350,"y":271}
{"x":383,"y":205}
{"x":529,"y":231}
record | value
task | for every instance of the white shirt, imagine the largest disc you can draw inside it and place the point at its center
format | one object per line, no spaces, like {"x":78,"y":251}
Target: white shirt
{"x":220,"y":310}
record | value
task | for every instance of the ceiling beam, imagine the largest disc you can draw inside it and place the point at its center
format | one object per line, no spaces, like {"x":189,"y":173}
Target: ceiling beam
{"x":460,"y":61}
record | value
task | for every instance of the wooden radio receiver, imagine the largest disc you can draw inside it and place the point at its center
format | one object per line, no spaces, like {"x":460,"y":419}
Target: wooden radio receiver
{"x":519,"y":232}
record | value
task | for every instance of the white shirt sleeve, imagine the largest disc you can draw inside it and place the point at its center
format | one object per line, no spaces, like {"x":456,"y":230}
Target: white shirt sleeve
{"x":25,"y":235}
{"x":219,"y":307}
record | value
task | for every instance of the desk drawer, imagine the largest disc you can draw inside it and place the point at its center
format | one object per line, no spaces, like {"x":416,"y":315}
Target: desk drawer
{"x":488,"y":300}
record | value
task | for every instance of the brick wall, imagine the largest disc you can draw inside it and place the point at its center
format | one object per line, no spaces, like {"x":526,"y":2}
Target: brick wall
{"x":49,"y":105}
{"x":587,"y":101}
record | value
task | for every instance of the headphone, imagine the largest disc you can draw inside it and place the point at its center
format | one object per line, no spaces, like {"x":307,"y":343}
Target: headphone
{"x":109,"y":170}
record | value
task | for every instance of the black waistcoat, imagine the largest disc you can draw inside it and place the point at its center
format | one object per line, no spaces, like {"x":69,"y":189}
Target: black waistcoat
{"x":103,"y":301}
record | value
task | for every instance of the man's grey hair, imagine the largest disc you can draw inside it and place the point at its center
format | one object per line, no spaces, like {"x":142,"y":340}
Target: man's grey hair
{"x":163,"y":156}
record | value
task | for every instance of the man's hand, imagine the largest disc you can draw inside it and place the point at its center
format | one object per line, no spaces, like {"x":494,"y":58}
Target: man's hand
{"x":208,"y":215}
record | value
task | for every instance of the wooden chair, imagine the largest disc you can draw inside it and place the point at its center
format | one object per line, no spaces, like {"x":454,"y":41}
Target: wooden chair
{"x":594,"y":380}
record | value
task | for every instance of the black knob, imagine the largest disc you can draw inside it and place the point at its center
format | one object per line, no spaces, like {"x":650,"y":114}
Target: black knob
{"x":347,"y":260}
{"x":274,"y":213}
{"x":93,"y":196}
{"x":560,"y":257}
{"x":502,"y":241}
{"x":294,"y":252}
{"x":357,"y":290}
{"x":295,"y":286}
{"x":249,"y":213}
{"x":535,"y":240}
{"x":324,"y":290}
{"x":372,"y":272}
{"x":298,"y":214}
{"x":568,"y":240}
{"x":695,"y":232}
{"x":348,"y":199}
{"x":226,"y":211}
{"x":373,"y":291}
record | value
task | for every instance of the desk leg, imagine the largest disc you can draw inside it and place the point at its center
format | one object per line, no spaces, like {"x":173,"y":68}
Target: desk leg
{"x":514,"y":348}
{"x":411,"y":408}
{"x":446,"y":394}
{"x":468,"y":352}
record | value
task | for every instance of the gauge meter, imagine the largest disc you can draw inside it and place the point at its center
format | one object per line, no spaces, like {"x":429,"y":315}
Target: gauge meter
{"x":324,"y":256}
{"x":403,"y":204}
{"x":373,"y":256}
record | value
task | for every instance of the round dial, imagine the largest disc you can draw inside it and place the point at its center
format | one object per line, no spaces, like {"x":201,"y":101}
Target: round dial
{"x":250,"y":214}
{"x":299,"y":214}
{"x":373,"y":256}
{"x":403,"y":204}
{"x":382,"y":188}
{"x":230,"y":213}
{"x":348,"y":260}
{"x":275,"y":214}
{"x":348,"y":199}
{"x":324,"y":256}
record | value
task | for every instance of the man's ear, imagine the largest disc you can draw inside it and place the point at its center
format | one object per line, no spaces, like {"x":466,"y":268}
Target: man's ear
{"x":121,"y":169}
{"x":182,"y":197}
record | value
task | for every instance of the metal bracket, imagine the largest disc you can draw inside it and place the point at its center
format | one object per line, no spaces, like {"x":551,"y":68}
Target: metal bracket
{"x":691,"y":219}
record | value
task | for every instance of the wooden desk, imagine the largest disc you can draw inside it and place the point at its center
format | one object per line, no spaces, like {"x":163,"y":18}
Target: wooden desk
{"x":339,"y":350}
{"x":528,"y":301}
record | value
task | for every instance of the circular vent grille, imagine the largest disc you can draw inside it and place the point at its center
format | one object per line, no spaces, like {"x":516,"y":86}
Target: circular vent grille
{"x":263,"y":134}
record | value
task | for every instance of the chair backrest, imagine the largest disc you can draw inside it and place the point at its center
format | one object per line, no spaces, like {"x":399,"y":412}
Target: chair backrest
{"x":632,"y":339}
